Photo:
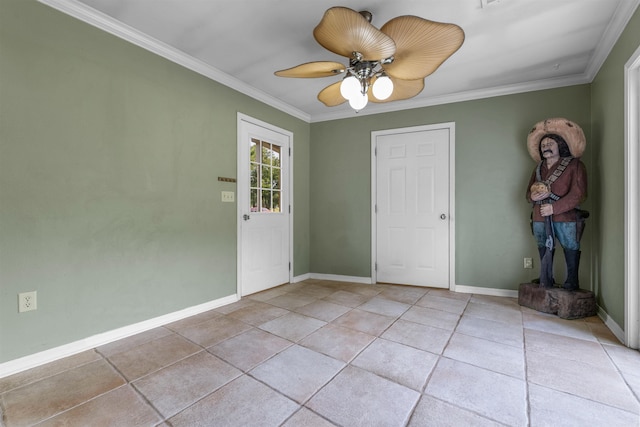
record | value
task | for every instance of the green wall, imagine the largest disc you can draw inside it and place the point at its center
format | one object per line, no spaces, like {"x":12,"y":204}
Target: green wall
{"x":607,"y":106}
{"x":109,"y":200}
{"x":492,"y":171}
{"x":110,"y":205}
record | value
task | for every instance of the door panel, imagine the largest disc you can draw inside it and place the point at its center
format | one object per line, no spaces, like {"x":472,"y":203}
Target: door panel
{"x":263,"y":198}
{"x":412,"y":207}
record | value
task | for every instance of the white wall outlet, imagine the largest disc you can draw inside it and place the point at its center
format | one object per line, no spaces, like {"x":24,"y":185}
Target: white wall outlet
{"x":228,"y":196}
{"x":528,"y":263}
{"x":27,"y":301}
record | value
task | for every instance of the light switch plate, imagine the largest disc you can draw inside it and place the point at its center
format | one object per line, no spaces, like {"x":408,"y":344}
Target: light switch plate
{"x":228,"y":196}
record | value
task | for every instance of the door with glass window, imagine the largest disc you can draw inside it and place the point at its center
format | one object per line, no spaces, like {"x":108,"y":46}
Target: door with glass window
{"x":263,"y":198}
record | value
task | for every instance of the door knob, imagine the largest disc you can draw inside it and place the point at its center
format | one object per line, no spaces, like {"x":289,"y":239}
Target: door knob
{"x":443,"y":216}
{"x":246,"y":217}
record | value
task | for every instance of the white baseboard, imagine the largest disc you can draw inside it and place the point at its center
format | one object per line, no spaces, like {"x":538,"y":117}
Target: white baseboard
{"x":301,"y":278}
{"x":611,"y":324}
{"x":367,"y":280}
{"x":33,"y":360}
{"x":339,"y":278}
{"x":486,"y":291}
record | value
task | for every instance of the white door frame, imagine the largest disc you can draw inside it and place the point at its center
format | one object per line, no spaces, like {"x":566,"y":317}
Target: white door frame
{"x":241,"y":190}
{"x":632,"y":200}
{"x":451,"y":126}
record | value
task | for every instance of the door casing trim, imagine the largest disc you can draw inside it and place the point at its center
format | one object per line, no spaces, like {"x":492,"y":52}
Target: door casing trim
{"x":451,"y":126}
{"x":632,"y":200}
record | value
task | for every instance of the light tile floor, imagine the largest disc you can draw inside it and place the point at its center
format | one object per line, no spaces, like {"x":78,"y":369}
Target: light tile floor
{"x":322,"y":353}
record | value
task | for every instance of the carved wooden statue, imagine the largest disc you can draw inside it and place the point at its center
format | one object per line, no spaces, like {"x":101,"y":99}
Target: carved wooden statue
{"x":557,"y":186}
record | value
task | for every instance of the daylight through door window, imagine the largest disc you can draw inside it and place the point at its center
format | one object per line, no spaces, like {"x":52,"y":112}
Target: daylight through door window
{"x":266,"y":189}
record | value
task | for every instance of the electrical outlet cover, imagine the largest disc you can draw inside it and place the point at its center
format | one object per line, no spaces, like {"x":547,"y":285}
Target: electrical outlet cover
{"x":27,"y":301}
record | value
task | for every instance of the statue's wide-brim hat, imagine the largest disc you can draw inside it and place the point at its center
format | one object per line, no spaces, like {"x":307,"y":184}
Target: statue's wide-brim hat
{"x":568,"y":130}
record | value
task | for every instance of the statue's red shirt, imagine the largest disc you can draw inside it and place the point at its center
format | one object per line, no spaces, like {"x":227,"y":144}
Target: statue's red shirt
{"x":571,"y":187}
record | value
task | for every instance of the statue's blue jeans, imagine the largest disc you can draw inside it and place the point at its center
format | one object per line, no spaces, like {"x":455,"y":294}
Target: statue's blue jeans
{"x":565,"y":232}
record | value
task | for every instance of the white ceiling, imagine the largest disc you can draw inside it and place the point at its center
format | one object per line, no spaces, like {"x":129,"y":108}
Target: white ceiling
{"x":510,"y":46}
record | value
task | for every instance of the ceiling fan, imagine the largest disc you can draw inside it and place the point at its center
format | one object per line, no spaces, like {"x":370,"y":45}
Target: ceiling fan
{"x":386,"y":64}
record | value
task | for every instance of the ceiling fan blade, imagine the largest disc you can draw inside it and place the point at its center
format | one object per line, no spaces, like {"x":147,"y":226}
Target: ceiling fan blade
{"x":344,"y":31}
{"x":402,"y":89}
{"x":330,"y":95}
{"x":313,"y":69}
{"x":422,"y":45}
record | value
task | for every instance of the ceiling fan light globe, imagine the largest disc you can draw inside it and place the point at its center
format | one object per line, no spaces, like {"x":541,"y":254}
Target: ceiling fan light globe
{"x":359,"y":101}
{"x":350,"y":87}
{"x":382,"y":88}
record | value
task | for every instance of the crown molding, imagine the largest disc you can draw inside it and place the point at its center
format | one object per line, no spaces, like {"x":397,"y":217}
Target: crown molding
{"x":106,"y":23}
{"x":456,"y":97}
{"x":616,"y":26}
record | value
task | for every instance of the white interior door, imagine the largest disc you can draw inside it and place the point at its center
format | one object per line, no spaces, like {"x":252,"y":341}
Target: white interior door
{"x":263,"y":206}
{"x":412,"y":212}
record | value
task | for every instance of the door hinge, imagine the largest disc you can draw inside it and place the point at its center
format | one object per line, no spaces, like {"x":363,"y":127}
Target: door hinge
{"x":375,"y":151}
{"x":375,"y":208}
{"x":289,"y":208}
{"x":289,"y":266}
{"x":376,"y":266}
{"x":289,"y":151}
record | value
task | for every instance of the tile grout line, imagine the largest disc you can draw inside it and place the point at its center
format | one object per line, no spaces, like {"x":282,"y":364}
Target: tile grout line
{"x":435,"y":366}
{"x":38,"y":379}
{"x":132,"y":386}
{"x":81,"y":403}
{"x":602,"y":346}
{"x":247,"y":372}
{"x":346,"y":364}
{"x":527,"y":399}
{"x":127,"y":383}
{"x":242,"y":371}
{"x":172,"y":332}
{"x":619,"y":371}
{"x":441,"y":356}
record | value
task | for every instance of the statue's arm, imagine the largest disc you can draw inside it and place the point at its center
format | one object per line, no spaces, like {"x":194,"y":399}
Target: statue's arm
{"x":577,"y":189}
{"x":531,"y":181}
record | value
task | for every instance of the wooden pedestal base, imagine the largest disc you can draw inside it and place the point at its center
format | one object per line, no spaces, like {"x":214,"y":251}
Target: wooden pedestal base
{"x":566,"y":304}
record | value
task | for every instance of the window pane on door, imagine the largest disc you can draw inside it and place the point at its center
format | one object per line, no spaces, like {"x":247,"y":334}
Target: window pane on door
{"x":252,"y":151}
{"x":276,"y":201}
{"x":265,"y":169}
{"x":266,"y":153}
{"x":254,"y":175}
{"x":254,"y":200}
{"x":266,"y":177}
{"x":266,"y":201}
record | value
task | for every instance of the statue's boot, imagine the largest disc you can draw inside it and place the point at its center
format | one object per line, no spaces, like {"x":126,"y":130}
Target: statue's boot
{"x":544,"y":267}
{"x":572,"y":258}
